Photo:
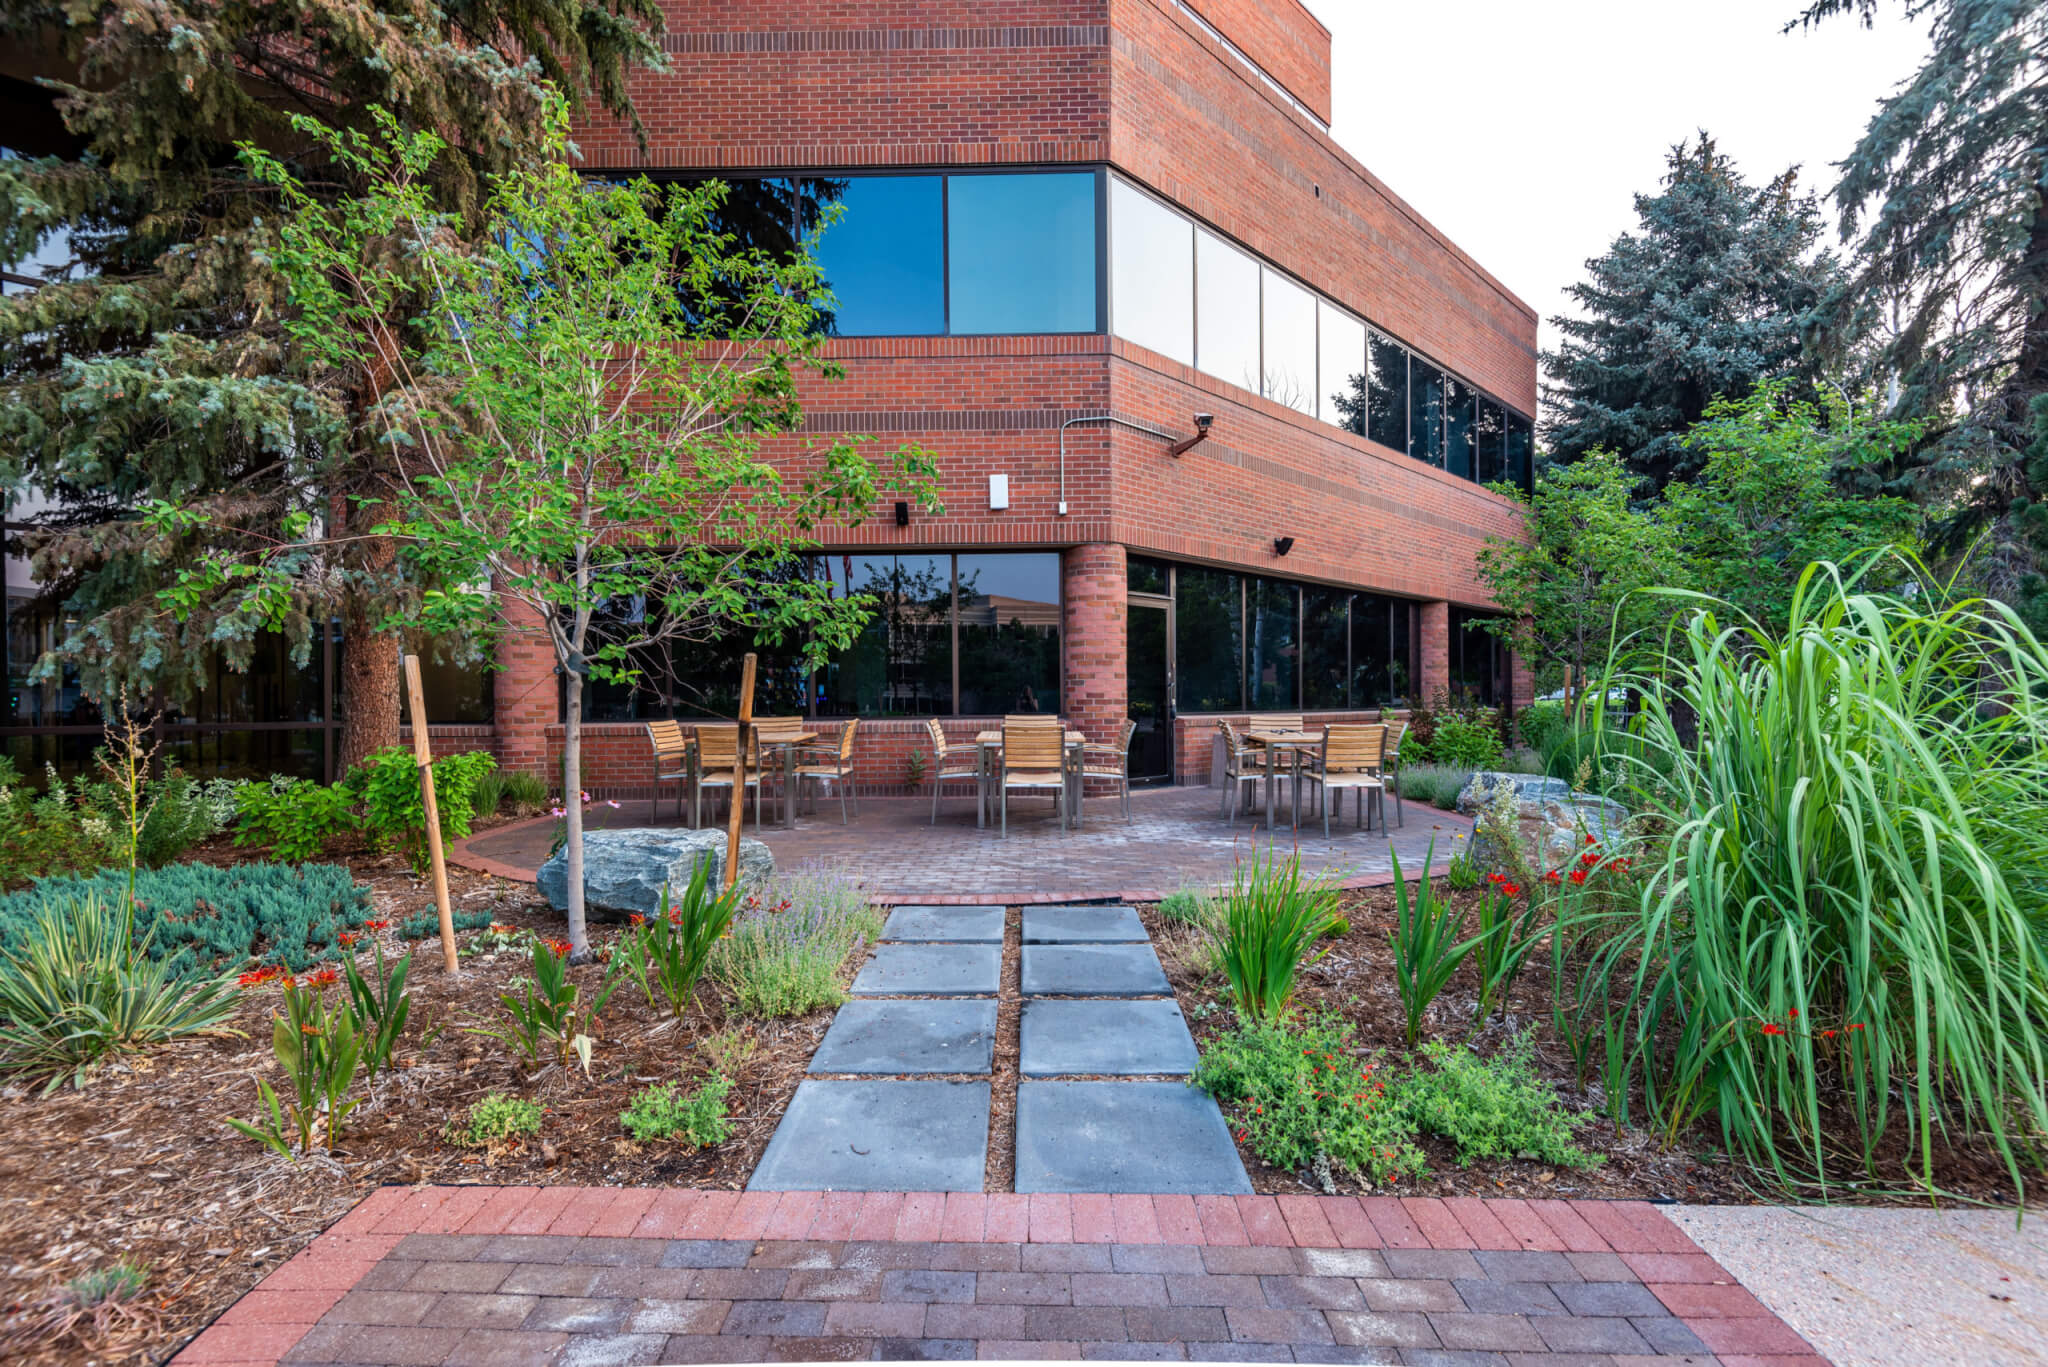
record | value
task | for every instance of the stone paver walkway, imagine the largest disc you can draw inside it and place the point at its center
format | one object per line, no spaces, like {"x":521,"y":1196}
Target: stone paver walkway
{"x":504,"y":1276}
{"x":892,"y":1103}
{"x":1175,"y":839}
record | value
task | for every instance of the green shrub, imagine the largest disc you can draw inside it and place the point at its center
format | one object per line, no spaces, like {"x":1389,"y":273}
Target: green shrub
{"x":1294,"y":1093}
{"x":1435,"y":784}
{"x":493,"y":1120}
{"x":1489,"y":1108}
{"x":666,"y":953}
{"x":294,"y":817}
{"x":487,"y":796}
{"x":526,"y":792}
{"x":1846,"y":930}
{"x":788,"y":946}
{"x":1464,"y":744}
{"x":196,"y":916}
{"x":697,"y":1117}
{"x":50,"y":832}
{"x":1542,"y":725}
{"x":394,"y":810}
{"x":423,"y":925}
{"x":76,"y":989}
{"x":1191,"y":907}
{"x":1271,"y":918}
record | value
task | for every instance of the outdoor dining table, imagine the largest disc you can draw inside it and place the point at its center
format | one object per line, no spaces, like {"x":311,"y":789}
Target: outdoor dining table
{"x":788,"y":742}
{"x":989,"y":744}
{"x":1292,"y":743}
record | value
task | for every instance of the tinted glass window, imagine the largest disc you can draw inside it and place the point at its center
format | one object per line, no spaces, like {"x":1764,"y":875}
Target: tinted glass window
{"x":1519,"y":448}
{"x":1145,"y":576}
{"x":455,"y":683}
{"x":1487,"y":438}
{"x":1009,"y":634}
{"x":1208,"y":640}
{"x":1274,"y":650}
{"x":1387,"y":397}
{"x":883,"y":259}
{"x":1226,"y":312}
{"x":1290,"y":343}
{"x":902,"y":662}
{"x":1340,"y":365}
{"x":1459,"y":414}
{"x":1151,"y":273}
{"x":1425,"y":411}
{"x":760,"y":215}
{"x":1325,"y":653}
{"x":1021,"y":252}
{"x":1478,"y":664}
{"x":1401,"y":648}
{"x":1369,"y":650}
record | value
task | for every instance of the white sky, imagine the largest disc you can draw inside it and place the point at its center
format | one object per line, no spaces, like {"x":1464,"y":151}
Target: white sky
{"x":1522,"y":128}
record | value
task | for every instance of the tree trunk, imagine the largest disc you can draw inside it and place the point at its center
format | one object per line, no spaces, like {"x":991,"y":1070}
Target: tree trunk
{"x":369,"y":688}
{"x":572,"y":806}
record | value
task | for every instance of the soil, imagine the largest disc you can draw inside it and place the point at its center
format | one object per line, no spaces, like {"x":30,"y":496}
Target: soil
{"x":1355,"y":980}
{"x":137,"y":1166}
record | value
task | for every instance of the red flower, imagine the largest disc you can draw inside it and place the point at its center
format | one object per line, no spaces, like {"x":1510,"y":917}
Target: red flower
{"x":379,"y":925}
{"x":1510,"y":889}
{"x":1793,"y":1014}
{"x":1588,"y":860}
{"x":322,"y":977}
{"x":347,"y":938}
{"x":1827,"y":1034}
{"x":1591,"y":841}
{"x":562,"y":948}
{"x":258,"y":977}
{"x":1552,"y":878}
{"x":1771,"y":1028}
{"x":637,"y":919}
{"x":1578,"y":876}
{"x":1855,"y":1025}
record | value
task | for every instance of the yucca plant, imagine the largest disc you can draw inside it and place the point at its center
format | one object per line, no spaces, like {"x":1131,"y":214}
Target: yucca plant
{"x":666,"y":954}
{"x":1271,"y":918}
{"x":1838,"y":922}
{"x":77,"y":989}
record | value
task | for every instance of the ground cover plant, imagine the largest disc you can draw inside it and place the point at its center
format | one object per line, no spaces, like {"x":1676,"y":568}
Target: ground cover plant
{"x":1836,"y":932}
{"x":199,"y":915}
{"x":664,"y":1111}
{"x":1488,"y":1107}
{"x":789,"y":945}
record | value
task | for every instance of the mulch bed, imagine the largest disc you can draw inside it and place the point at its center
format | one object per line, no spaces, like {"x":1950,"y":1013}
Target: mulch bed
{"x":137,"y":1166}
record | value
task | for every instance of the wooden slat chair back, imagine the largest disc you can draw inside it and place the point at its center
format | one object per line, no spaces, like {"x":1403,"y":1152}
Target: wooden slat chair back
{"x":950,"y":761}
{"x":831,"y":764}
{"x":1239,"y":768}
{"x":1113,"y":762}
{"x":1350,"y":759}
{"x":718,"y":745}
{"x":1034,"y":756}
{"x":671,"y":760}
{"x":1277,"y":721}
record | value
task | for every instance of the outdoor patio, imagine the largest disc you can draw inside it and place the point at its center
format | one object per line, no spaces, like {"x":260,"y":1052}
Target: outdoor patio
{"x":1175,"y":838}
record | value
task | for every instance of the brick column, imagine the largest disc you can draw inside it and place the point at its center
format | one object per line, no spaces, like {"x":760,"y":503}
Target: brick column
{"x":528,"y":695}
{"x":1433,"y":670}
{"x":1093,"y":639}
{"x":1521,"y":682}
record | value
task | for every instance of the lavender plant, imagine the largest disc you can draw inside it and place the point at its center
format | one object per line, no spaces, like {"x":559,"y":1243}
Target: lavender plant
{"x":787,"y":947}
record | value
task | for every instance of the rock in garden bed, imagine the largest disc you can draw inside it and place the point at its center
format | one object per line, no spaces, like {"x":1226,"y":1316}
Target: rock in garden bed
{"x":624,"y":871}
{"x":1555,"y":820}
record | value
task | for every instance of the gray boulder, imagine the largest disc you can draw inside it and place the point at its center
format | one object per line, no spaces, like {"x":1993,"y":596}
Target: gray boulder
{"x":1566,"y":824}
{"x":1531,"y":791}
{"x":624,"y":871}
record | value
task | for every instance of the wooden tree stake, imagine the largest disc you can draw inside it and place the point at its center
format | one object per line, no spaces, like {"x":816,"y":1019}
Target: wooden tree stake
{"x":423,"y":753}
{"x":739,"y":772}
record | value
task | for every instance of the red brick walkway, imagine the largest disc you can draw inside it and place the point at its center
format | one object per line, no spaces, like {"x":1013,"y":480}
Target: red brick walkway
{"x":460,"y":1276}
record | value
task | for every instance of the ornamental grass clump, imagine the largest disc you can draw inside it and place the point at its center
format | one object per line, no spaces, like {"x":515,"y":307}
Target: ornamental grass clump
{"x":787,"y":948}
{"x":1849,"y":821}
{"x":1271,"y":920}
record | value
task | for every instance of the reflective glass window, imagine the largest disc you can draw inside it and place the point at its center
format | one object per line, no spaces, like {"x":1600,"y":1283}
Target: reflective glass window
{"x":1386,"y":417}
{"x":455,"y":682}
{"x":1021,"y":252}
{"x":1009,"y":634}
{"x":1519,"y":447}
{"x":1459,"y":414}
{"x":1151,"y":273}
{"x":1340,"y":364}
{"x":1289,"y":373}
{"x":1226,"y":312}
{"x":902,"y":662}
{"x":760,"y":214}
{"x":1487,"y":438}
{"x":1478,"y":661}
{"x":1425,"y":411}
{"x":1208,"y":640}
{"x":1325,"y":649}
{"x":1369,"y":650}
{"x":883,"y":258}
{"x":1405,"y":626}
{"x":1146,"y":576}
{"x":1274,"y":649}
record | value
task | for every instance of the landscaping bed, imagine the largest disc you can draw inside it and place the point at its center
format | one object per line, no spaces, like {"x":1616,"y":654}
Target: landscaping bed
{"x":139,"y":1166}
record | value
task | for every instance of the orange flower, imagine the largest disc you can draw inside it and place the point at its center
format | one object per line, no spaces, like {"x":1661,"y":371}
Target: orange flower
{"x":383,"y":925}
{"x":322,"y":977}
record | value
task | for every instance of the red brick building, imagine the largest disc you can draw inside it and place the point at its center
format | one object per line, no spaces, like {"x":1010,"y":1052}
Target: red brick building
{"x":1065,"y":228}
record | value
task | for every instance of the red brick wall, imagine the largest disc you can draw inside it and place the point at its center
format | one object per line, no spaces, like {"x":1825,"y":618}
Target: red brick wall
{"x":1435,"y":665}
{"x":1287,"y":42}
{"x":1194,"y":736}
{"x":1093,"y":639}
{"x":527,"y":696}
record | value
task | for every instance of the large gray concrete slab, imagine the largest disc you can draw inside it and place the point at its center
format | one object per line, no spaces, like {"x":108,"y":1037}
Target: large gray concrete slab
{"x":1123,"y":1137}
{"x":931,"y":971}
{"x":1869,"y":1287}
{"x":1066,"y":1038}
{"x":1081,"y":925}
{"x":1092,"y":971}
{"x":910,"y":1037}
{"x":971,"y":925}
{"x":879,"y":1136}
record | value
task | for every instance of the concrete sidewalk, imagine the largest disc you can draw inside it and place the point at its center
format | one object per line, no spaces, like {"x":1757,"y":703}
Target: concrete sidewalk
{"x":452,"y":1276}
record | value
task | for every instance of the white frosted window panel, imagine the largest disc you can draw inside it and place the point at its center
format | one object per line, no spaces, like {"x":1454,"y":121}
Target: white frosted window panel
{"x":1290,"y":332}
{"x":1340,"y":359}
{"x":1151,"y":273}
{"x":1226,"y":312}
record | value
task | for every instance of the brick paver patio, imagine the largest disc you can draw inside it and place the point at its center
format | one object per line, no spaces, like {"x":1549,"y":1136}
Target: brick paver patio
{"x":1175,"y":839}
{"x":511,"y":1275}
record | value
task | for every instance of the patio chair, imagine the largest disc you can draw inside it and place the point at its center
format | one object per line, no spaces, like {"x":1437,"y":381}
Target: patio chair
{"x":1034,"y":757}
{"x":1102,"y":760}
{"x":1277,"y":721}
{"x":951,"y":761}
{"x":1240,"y":766}
{"x":717,"y":748}
{"x":1391,"y":765}
{"x":830,"y":765}
{"x":772,"y":729}
{"x":1350,"y":759}
{"x":671,"y":761}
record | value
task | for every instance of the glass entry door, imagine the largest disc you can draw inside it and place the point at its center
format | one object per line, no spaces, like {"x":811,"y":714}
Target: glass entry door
{"x":1148,"y":672}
